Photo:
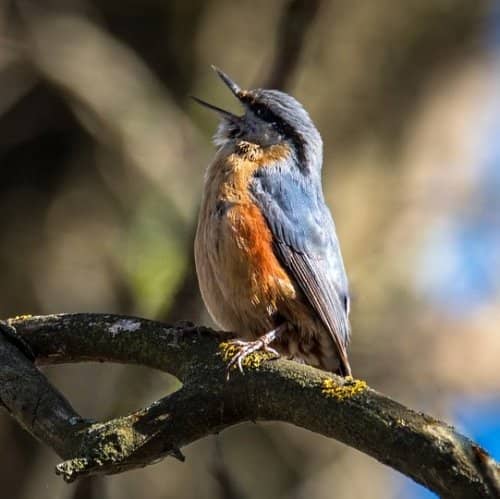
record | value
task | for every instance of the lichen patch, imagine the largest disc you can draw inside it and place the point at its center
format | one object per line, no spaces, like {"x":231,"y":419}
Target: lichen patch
{"x":350,"y":388}
{"x":22,"y":317}
{"x":254,"y":360}
{"x":124,"y":325}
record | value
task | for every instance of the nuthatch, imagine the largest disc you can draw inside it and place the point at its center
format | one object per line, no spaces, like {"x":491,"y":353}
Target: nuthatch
{"x":267,"y":254}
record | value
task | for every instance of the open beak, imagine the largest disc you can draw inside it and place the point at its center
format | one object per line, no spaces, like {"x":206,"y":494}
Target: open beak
{"x":235,"y":89}
{"x":230,"y":83}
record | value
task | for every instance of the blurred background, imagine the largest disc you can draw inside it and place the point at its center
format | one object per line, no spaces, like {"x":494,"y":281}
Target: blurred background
{"x":102,"y":156}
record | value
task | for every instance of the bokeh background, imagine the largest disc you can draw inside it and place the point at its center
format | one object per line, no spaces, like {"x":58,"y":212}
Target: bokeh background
{"x":102,"y":156}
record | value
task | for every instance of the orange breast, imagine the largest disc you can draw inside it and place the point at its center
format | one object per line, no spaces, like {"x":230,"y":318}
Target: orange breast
{"x":254,"y":239}
{"x":242,"y":280}
{"x":268,"y":281}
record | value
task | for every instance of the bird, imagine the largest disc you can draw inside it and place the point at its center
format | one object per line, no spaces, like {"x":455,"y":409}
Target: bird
{"x":267,"y":255}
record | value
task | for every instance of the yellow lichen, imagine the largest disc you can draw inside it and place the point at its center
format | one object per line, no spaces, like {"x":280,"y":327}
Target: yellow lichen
{"x":22,"y":317}
{"x":253,"y":360}
{"x":347,"y":390}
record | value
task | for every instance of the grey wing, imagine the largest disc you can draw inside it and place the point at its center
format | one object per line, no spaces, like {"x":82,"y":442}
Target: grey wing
{"x":307,"y":245}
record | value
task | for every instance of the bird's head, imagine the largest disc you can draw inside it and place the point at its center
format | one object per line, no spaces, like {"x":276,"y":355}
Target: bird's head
{"x":271,"y":117}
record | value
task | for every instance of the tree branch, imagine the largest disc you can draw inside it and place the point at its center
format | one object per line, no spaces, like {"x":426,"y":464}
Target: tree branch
{"x":421,"y":447}
{"x":297,"y":18}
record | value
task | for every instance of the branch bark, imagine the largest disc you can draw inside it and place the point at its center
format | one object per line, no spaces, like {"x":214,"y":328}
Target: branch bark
{"x":423,"y":448}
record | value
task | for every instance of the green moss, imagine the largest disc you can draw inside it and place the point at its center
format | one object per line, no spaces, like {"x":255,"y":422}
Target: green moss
{"x":350,"y":388}
{"x":77,"y":464}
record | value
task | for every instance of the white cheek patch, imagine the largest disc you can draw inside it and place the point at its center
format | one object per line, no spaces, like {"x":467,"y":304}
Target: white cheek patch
{"x":221,"y":136}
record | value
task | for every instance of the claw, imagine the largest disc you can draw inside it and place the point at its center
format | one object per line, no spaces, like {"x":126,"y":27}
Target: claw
{"x":240,"y":343}
{"x":272,"y":350}
{"x":245,"y":348}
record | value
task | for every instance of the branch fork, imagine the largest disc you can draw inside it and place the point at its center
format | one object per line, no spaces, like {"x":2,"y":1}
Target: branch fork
{"x":423,"y":448}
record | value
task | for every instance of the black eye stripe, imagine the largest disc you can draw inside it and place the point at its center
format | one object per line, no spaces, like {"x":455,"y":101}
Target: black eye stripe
{"x":267,"y":115}
{"x":280,"y":124}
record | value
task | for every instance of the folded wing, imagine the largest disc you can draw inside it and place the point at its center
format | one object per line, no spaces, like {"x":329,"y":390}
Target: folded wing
{"x":307,"y":246}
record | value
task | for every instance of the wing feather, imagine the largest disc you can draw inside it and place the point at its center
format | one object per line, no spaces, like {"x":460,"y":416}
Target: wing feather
{"x":326,"y":303}
{"x":307,"y":246}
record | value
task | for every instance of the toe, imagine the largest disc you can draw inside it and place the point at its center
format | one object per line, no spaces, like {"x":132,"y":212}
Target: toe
{"x":273,"y":351}
{"x":240,"y":363}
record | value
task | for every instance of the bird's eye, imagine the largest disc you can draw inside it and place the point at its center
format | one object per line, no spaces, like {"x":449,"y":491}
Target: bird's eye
{"x":277,"y":126}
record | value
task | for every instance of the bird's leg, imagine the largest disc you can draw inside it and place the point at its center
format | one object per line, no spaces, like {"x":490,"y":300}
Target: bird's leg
{"x":245,"y":348}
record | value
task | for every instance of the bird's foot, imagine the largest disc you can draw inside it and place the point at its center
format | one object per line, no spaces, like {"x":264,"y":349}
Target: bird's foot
{"x":245,"y":348}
